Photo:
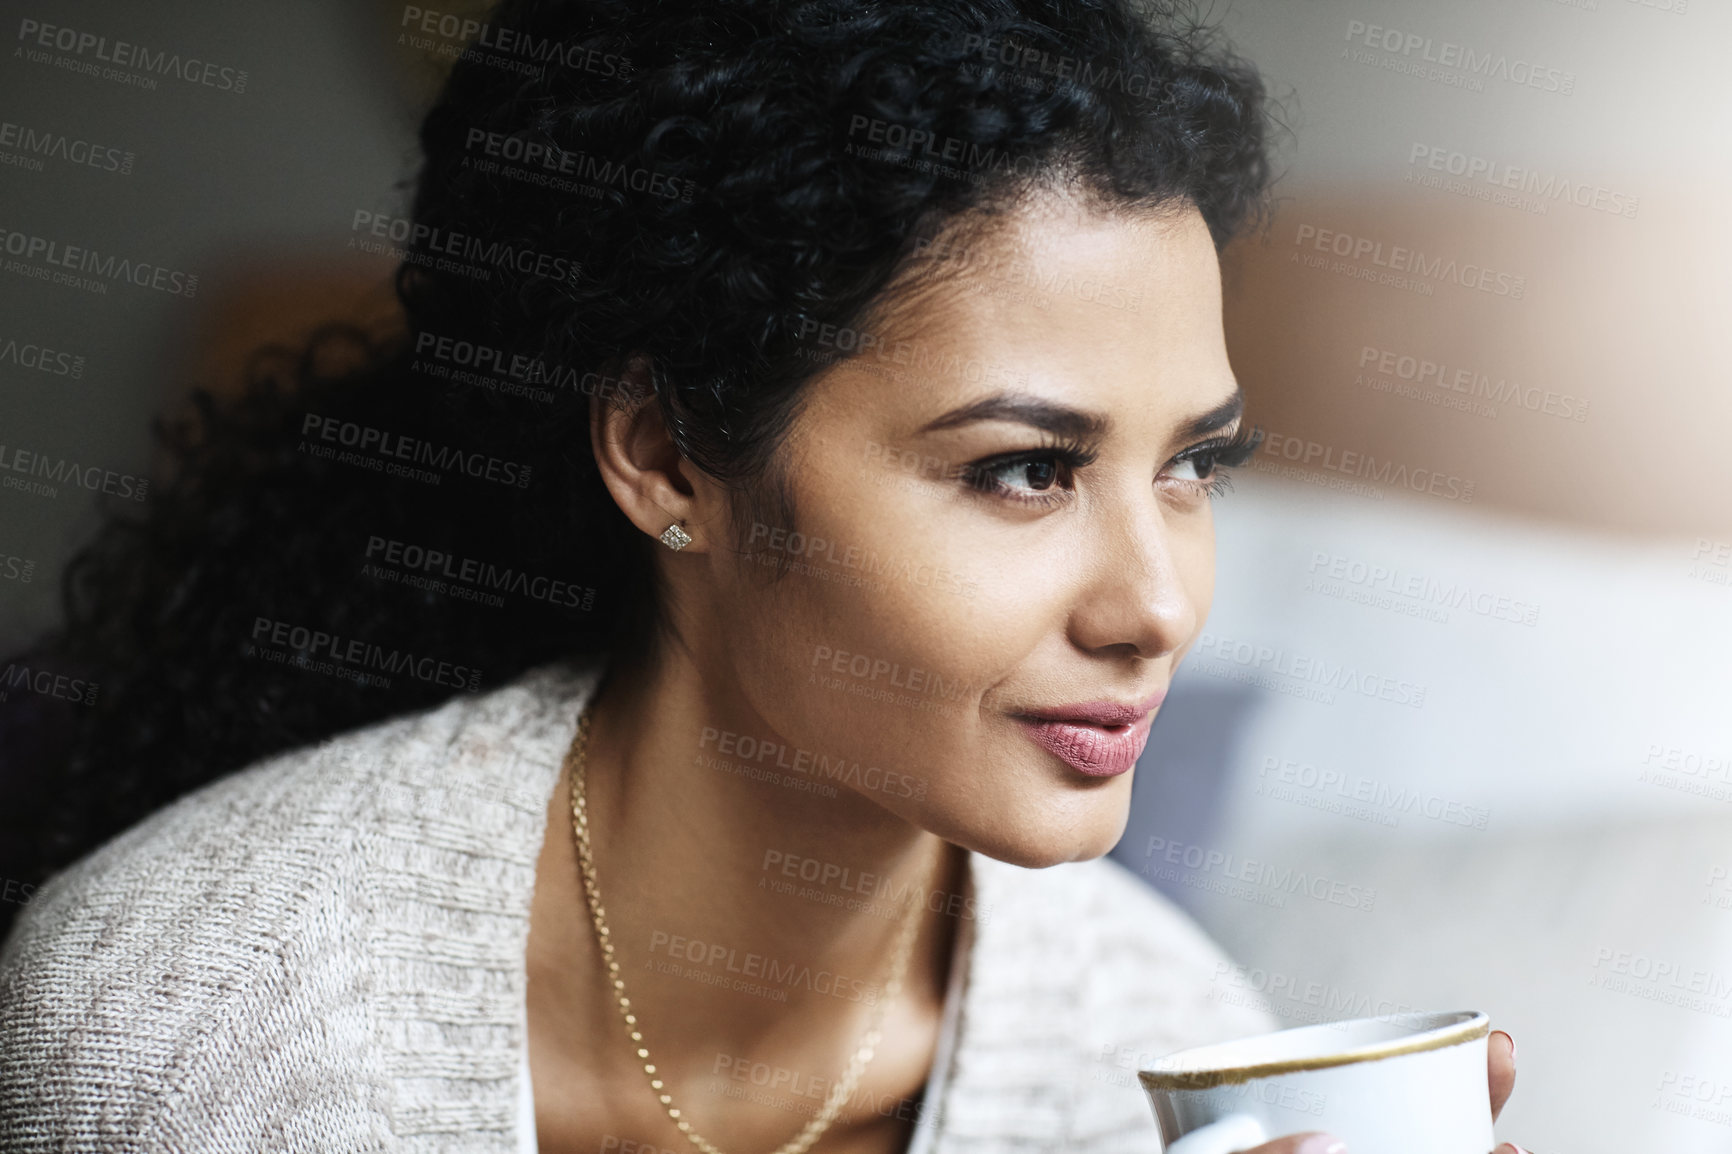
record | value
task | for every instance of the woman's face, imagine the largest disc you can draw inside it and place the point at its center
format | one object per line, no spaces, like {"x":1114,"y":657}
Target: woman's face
{"x":998,"y":526}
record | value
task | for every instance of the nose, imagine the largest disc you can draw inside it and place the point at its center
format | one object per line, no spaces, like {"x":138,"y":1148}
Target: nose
{"x":1147,"y":587}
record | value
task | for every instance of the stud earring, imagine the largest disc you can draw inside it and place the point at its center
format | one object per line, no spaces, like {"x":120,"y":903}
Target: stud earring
{"x":675,"y":538}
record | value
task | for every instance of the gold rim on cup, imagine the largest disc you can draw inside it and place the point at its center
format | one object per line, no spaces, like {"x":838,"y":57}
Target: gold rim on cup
{"x":1472,"y":1027}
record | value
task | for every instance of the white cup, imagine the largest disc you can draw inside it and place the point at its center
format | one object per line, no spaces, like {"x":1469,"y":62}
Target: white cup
{"x":1402,"y":1084}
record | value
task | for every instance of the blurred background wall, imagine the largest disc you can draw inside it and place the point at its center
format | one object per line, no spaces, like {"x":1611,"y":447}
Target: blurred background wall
{"x":1473,"y":615}
{"x":1460,"y":730}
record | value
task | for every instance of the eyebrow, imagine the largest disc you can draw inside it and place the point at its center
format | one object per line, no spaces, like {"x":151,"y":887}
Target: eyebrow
{"x":1218,"y":417}
{"x":1060,"y":420}
{"x":1065,"y":421}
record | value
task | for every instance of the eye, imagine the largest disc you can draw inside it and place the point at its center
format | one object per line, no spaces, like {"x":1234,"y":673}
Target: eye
{"x":1198,"y":469}
{"x":1036,"y":474}
{"x":1039,"y":476}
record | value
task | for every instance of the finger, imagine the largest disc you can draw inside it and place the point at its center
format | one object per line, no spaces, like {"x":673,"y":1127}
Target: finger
{"x":1510,"y":1148}
{"x":1312,"y":1142}
{"x":1500,"y":1054}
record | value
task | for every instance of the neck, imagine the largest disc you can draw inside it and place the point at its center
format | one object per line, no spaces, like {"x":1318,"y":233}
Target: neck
{"x":753,"y":902}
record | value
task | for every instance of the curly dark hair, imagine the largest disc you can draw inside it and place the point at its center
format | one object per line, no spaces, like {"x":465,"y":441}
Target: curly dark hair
{"x":696,"y":183}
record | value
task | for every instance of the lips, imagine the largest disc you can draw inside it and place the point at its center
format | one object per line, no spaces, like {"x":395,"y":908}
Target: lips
{"x":1099,"y":738}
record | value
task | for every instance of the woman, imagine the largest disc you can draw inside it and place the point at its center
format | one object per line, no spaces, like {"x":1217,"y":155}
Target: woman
{"x":801,"y":456}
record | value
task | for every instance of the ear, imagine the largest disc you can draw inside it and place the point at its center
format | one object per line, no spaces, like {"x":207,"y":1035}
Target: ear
{"x":650,"y":481}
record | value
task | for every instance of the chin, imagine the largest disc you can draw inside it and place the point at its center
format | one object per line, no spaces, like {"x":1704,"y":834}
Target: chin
{"x":1051,"y":830}
{"x":1044,"y":857}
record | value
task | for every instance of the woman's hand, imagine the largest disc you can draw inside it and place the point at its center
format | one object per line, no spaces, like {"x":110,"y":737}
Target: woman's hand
{"x":1500,"y":1080}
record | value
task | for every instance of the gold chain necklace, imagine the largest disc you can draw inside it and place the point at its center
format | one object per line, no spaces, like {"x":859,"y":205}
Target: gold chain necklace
{"x":839,"y":1091}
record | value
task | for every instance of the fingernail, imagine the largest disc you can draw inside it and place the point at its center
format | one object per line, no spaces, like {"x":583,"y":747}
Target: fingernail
{"x":1322,"y":1144}
{"x":1512,"y":1055}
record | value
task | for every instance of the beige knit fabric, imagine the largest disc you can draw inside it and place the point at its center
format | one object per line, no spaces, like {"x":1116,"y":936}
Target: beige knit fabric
{"x":325,"y":952}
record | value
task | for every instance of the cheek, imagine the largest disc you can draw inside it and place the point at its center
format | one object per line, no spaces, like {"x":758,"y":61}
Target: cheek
{"x":881,"y":641}
{"x":880,"y":646}
{"x":907,"y":647}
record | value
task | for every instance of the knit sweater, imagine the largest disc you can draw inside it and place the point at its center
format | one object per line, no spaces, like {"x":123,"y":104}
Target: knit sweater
{"x":325,"y":952}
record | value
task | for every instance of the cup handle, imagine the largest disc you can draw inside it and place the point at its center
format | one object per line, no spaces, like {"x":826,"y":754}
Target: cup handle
{"x":1232,"y":1133}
